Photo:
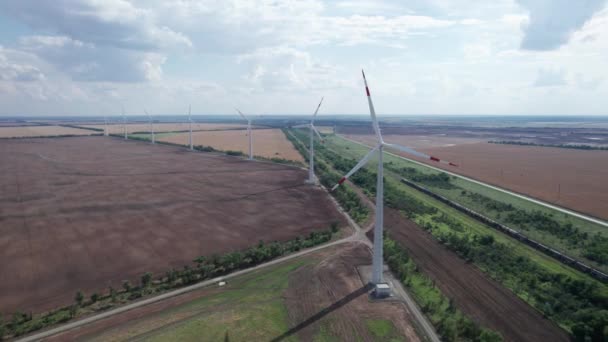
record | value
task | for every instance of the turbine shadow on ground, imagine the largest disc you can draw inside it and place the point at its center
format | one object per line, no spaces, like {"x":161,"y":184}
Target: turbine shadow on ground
{"x":336,"y":305}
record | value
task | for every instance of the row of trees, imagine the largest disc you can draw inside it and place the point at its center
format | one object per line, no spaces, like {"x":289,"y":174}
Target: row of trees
{"x":562,"y":298}
{"x":450,"y":323}
{"x":439,"y":180}
{"x":203,"y":267}
{"x":451,"y":326}
{"x":347,"y":198}
{"x":593,"y":247}
{"x":576,"y":147}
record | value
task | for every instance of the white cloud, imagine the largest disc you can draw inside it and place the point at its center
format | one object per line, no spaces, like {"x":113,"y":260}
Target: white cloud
{"x":13,"y":68}
{"x":552,"y":22}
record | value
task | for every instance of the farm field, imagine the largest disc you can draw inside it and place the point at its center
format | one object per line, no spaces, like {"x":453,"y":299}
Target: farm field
{"x":268,"y":143}
{"x":474,"y":293}
{"x":417,"y":141}
{"x":504,"y":260}
{"x":560,"y":135}
{"x":117,"y":128}
{"x":570,"y":178}
{"x":319,"y":297}
{"x":39,"y":131}
{"x":87,"y":213}
{"x":454,"y":192}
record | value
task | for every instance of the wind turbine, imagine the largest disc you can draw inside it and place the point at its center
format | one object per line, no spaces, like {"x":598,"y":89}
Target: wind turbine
{"x":124,"y":123}
{"x":151,"y":127}
{"x":248,"y":133}
{"x":190,"y":123}
{"x":381,"y":288}
{"x":311,"y":150}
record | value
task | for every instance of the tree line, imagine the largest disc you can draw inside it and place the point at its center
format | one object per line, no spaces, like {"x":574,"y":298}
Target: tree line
{"x":202,"y":268}
{"x":571,"y":146}
{"x":566,"y":300}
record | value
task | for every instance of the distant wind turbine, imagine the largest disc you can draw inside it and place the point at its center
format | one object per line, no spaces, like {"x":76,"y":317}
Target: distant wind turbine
{"x":151,"y":127}
{"x":381,"y":288}
{"x":190,"y":123}
{"x":248,"y":133}
{"x":311,"y":149}
{"x":124,"y":123}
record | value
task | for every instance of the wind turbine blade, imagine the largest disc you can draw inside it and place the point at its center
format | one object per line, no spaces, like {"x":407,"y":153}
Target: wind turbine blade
{"x":372,"y":111}
{"x":148,"y":114}
{"x":316,"y":111}
{"x":411,"y":151}
{"x":241,"y":114}
{"x":190,"y":113}
{"x":359,"y":165}
{"x":316,"y":132}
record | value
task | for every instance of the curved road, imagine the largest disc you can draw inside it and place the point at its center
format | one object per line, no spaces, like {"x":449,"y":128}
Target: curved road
{"x":533,"y":200}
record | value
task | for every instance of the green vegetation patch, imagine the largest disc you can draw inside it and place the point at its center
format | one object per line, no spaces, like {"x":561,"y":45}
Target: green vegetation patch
{"x":250,"y":308}
{"x":566,"y":296}
{"x":382,"y":330}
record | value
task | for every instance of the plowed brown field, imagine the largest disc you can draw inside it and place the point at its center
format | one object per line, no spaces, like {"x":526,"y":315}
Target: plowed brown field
{"x":267,"y":143}
{"x":570,"y":178}
{"x":40,"y":131}
{"x":574,"y":179}
{"x":479,"y":297}
{"x":86,"y":213}
{"x":325,"y":297}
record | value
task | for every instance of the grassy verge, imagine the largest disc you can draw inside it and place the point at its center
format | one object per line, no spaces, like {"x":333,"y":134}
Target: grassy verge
{"x":248,"y":309}
{"x":570,"y":235}
{"x":450,"y":323}
{"x":566,"y":296}
{"x":327,"y":175}
{"x":203,"y":267}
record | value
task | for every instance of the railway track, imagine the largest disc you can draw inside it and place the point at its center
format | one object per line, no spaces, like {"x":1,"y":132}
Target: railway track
{"x":555,"y":254}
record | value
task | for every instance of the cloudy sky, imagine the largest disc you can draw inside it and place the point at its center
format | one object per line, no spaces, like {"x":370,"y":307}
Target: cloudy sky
{"x":89,"y":57}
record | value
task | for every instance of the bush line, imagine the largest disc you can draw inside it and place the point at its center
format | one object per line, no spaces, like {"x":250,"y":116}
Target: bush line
{"x":204,"y":268}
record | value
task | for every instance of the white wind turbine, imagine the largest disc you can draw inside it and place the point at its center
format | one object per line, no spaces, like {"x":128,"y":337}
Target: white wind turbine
{"x":124,"y":123}
{"x":311,"y":149}
{"x":248,"y":133}
{"x":190,"y":123}
{"x":151,"y":127}
{"x":381,"y":288}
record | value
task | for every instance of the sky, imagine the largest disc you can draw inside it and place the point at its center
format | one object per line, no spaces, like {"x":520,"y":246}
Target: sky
{"x":499,"y":57}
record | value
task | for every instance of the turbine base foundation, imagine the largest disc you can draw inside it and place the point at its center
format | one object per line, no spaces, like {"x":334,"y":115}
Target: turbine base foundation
{"x":381,"y":290}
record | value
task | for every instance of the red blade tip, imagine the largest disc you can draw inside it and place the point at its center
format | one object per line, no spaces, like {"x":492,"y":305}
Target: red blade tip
{"x":434,"y":159}
{"x":342,"y":180}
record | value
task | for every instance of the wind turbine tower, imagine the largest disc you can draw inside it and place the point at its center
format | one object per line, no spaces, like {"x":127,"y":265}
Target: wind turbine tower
{"x":190,"y":123}
{"x":124,"y":123}
{"x":381,"y":288}
{"x":248,"y":133}
{"x":151,"y":127}
{"x":311,"y":149}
